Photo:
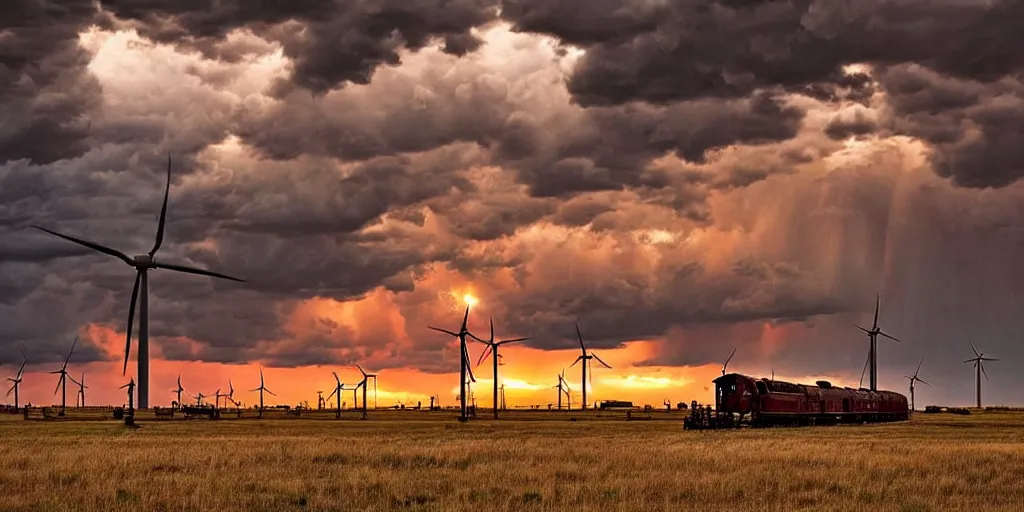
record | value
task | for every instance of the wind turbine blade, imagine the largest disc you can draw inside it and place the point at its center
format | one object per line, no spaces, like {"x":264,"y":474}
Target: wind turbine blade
{"x":918,"y":370}
{"x":502,"y":342}
{"x":483,"y":356}
{"x":471,"y":335}
{"x":336,"y":378}
{"x":988,"y":359}
{"x":863,"y":329}
{"x":446,"y":331}
{"x":131,"y":317}
{"x":606,"y":365}
{"x":362,"y":372}
{"x":576,"y":361}
{"x":269,"y":391}
{"x":878,"y":299}
{"x":888,"y":336}
{"x":469,"y":370}
{"x":984,"y":372}
{"x":192,"y":270}
{"x":92,"y":245}
{"x":163,"y":211}
{"x":491,"y":322}
{"x":923,"y":382}
{"x":332,"y":394}
{"x":976,"y":353}
{"x":975,"y":360}
{"x":72,"y":351}
{"x":59,"y":382}
{"x":465,"y":320}
{"x":579,"y":336}
{"x":866,"y":361}
{"x":261,"y":377}
{"x":724,"y":366}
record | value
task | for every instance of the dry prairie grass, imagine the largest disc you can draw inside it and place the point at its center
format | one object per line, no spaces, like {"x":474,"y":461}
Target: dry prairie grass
{"x":427,"y":461}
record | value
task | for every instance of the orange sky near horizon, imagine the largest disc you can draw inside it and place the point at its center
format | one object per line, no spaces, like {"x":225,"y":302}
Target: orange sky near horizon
{"x":529,"y":376}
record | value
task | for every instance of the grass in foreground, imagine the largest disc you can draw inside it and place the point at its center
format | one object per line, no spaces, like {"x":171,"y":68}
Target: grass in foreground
{"x":430,"y":462}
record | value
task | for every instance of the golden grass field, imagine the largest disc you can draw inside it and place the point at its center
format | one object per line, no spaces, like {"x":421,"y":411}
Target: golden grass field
{"x":417,"y":460}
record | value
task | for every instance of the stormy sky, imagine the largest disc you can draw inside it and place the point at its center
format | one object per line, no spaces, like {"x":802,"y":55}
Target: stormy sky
{"x":681,"y":178}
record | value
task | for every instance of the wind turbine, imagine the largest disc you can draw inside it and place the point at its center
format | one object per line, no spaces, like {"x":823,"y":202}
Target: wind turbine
{"x":18,"y":378}
{"x":463,"y":361}
{"x":80,"y":396}
{"x":178,"y":391}
{"x":216,"y":399}
{"x":366,"y":377}
{"x":585,"y":357}
{"x":337,"y":391}
{"x":492,"y":347}
{"x":563,"y":387}
{"x":726,"y":365}
{"x":979,"y":368}
{"x":142,"y":264}
{"x":914,"y":378}
{"x":131,"y":394}
{"x":199,"y":399}
{"x":873,"y":334}
{"x":62,"y":382}
{"x":231,"y":394}
{"x":261,"y":389}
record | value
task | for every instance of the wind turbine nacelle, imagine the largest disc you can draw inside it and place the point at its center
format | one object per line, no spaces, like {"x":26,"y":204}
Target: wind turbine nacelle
{"x":143,"y":260}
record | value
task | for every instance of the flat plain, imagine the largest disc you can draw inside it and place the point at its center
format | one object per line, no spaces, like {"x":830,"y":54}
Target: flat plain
{"x":417,"y":460}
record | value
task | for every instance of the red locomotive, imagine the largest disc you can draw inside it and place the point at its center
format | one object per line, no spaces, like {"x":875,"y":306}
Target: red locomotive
{"x":761,"y":402}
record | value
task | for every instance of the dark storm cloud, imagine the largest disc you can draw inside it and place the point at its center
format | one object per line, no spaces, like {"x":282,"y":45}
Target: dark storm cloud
{"x":664,"y":52}
{"x":331,"y":42}
{"x":686,"y":50}
{"x":46,"y":92}
{"x":976,"y":129}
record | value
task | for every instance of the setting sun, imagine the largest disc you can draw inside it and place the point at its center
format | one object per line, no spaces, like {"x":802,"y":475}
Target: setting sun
{"x":470,"y":300}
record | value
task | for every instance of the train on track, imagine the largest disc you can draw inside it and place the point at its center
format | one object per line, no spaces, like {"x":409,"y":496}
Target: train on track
{"x":740,"y":399}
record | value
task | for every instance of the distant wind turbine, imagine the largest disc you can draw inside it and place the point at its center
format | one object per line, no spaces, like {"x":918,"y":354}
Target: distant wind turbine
{"x":16,"y":381}
{"x":339,"y":387}
{"x":463,"y":361}
{"x":914,"y":378}
{"x":979,"y":368}
{"x":563,"y":387}
{"x":585,"y":357}
{"x":178,"y":391}
{"x":261,"y":389}
{"x":363,"y":383}
{"x":142,"y":264}
{"x":492,"y":347}
{"x":62,"y":384}
{"x":131,"y":394}
{"x":873,"y":334}
{"x":80,"y":396}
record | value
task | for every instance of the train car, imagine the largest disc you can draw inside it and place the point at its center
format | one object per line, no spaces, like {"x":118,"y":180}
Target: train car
{"x":739,"y":398}
{"x":610,"y":405}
